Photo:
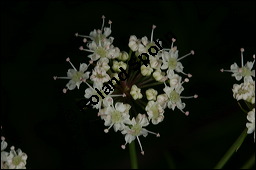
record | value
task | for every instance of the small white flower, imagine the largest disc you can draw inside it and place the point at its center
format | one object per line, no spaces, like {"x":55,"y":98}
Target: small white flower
{"x":136,"y":92}
{"x":171,"y":60}
{"x":251,"y":119}
{"x":155,"y":112}
{"x":76,"y":77}
{"x":117,"y":116}
{"x":151,"y":94}
{"x":245,"y":71}
{"x":146,"y":70}
{"x":102,"y":100}
{"x":117,"y":64}
{"x":103,"y":63}
{"x":136,"y":129}
{"x":99,"y":76}
{"x":16,"y":159}
{"x":245,"y":91}
{"x":98,"y":36}
{"x":174,"y":97}
{"x":113,"y":53}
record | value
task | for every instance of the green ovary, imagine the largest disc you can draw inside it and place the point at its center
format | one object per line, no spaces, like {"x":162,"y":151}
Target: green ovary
{"x":99,"y":38}
{"x":174,"y":96}
{"x":77,"y":76}
{"x":136,"y":130}
{"x":155,"y":111}
{"x":246,"y":72}
{"x":16,"y":160}
{"x":101,"y":52}
{"x":242,"y":91}
{"x":172,"y":63}
{"x":116,"y":117}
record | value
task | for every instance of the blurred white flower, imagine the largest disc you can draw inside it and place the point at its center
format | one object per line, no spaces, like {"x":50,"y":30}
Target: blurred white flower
{"x":245,"y":91}
{"x":251,"y":124}
{"x":245,"y":71}
{"x":76,"y":77}
{"x":16,"y":159}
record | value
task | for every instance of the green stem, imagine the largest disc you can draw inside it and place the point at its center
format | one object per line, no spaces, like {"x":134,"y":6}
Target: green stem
{"x":152,"y":84}
{"x":249,"y":163}
{"x":242,"y":108}
{"x":232,"y":150}
{"x":133,"y":155}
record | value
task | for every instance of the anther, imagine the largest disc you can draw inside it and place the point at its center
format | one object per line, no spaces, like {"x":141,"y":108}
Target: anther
{"x":2,"y":138}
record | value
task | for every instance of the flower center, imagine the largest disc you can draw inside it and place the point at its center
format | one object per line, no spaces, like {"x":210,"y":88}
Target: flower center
{"x":136,"y":130}
{"x":172,"y":63}
{"x":246,"y":71}
{"x":101,"y":52}
{"x":155,"y":111}
{"x":77,"y":76}
{"x":242,"y":91}
{"x":116,"y":117}
{"x":174,"y":96}
{"x":16,"y":160}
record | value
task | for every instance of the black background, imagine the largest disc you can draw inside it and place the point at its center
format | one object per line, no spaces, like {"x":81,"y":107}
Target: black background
{"x":37,"y":37}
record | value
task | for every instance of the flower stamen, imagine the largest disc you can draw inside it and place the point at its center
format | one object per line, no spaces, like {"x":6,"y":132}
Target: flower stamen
{"x":68,"y":60}
{"x":152,"y":33}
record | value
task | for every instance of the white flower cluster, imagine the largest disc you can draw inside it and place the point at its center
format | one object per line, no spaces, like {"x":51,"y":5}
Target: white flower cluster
{"x":13,"y":159}
{"x":246,"y":90}
{"x":120,"y":84}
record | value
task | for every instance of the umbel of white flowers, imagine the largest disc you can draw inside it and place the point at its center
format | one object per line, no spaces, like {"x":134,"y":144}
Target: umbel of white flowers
{"x":121,"y":85}
{"x":246,"y":90}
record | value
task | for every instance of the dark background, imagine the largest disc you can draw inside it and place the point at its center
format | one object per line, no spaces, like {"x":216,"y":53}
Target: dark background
{"x":37,"y":37}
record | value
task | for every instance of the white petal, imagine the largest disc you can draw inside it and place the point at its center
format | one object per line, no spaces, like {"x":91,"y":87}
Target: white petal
{"x":120,"y":107}
{"x":83,"y":67}
{"x":71,"y":85}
